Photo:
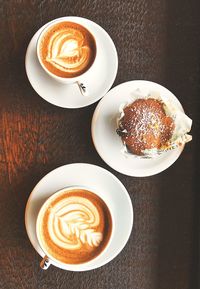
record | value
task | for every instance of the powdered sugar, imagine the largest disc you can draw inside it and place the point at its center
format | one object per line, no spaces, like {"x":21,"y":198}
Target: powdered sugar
{"x":166,"y":134}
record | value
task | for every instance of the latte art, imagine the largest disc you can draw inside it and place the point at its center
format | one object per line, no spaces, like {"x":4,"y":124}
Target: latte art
{"x":72,"y":223}
{"x":67,"y":49}
{"x":74,"y":226}
{"x":67,"y":52}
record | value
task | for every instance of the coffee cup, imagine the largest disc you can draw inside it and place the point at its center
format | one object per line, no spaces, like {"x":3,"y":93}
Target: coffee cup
{"x":75,"y":226}
{"x":67,"y":51}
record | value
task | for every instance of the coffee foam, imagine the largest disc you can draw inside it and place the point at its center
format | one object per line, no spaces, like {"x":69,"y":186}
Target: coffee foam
{"x":67,"y":49}
{"x":75,"y":226}
{"x":77,"y":217}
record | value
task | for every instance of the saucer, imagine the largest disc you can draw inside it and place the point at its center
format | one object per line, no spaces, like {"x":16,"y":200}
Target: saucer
{"x":99,"y":78}
{"x":109,"y":145}
{"x":109,"y":188}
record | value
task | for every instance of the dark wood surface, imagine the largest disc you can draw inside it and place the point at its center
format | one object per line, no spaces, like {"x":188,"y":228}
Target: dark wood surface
{"x":157,"y":40}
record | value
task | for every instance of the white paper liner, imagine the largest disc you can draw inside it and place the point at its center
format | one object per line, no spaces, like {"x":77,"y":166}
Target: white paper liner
{"x":173,"y":109}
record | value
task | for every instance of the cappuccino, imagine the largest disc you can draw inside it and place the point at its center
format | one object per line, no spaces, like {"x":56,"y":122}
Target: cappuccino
{"x":67,"y":49}
{"x":74,"y":226}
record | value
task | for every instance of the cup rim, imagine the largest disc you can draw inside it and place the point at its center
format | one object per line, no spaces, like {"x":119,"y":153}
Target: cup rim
{"x":67,"y":265}
{"x":45,"y":27}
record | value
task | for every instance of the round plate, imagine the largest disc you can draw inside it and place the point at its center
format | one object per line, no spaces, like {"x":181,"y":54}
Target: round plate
{"x":109,"y":145}
{"x":99,"y":78}
{"x":98,"y":180}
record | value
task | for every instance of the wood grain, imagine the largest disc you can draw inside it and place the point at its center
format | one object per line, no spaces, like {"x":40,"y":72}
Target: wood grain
{"x":156,"y":40}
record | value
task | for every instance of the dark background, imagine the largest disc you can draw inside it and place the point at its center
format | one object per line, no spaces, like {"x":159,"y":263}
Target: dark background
{"x":156,"y":40}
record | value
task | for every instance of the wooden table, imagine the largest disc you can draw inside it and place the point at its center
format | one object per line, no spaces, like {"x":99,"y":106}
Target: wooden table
{"x":156,"y":40}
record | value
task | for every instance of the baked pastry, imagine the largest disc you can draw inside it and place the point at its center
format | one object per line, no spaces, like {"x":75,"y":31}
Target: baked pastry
{"x":145,"y":126}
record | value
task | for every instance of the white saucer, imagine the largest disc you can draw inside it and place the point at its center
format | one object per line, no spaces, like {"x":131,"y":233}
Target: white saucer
{"x":109,"y":145}
{"x":98,"y":179}
{"x":99,"y":78}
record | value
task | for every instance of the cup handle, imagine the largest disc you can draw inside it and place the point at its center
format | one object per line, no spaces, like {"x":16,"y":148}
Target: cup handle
{"x":82,"y":88}
{"x":45,"y":263}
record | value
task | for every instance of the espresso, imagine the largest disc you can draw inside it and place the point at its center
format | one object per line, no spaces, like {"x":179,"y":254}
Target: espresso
{"x":74,"y":226}
{"x":67,"y":49}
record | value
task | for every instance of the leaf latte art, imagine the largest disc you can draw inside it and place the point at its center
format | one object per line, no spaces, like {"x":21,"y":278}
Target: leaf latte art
{"x":74,"y":226}
{"x":67,"y":49}
{"x":72,"y":223}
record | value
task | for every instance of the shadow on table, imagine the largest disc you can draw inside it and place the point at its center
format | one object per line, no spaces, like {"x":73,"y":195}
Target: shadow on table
{"x":178,"y":218}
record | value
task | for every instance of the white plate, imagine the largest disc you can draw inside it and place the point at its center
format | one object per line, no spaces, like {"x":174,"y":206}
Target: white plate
{"x":99,"y":180}
{"x":109,"y":145}
{"x":99,"y":78}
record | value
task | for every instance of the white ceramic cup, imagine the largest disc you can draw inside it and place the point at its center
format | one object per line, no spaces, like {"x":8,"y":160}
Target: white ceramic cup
{"x":47,"y":260}
{"x":67,"y":80}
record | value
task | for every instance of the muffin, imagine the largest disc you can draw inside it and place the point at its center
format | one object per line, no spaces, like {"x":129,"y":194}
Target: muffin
{"x":145,"y":125}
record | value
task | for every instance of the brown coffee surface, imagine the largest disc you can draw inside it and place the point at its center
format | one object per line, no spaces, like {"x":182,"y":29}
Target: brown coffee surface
{"x":67,"y":49}
{"x":145,"y":125}
{"x":75,"y":226}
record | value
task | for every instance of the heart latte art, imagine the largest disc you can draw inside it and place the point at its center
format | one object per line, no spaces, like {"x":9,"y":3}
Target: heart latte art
{"x":74,"y":226}
{"x":67,"y":49}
